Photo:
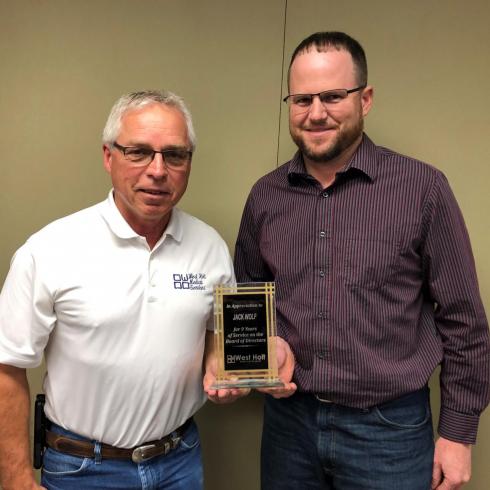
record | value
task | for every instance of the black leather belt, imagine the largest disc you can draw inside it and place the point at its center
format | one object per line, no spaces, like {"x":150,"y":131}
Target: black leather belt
{"x":138,"y":454}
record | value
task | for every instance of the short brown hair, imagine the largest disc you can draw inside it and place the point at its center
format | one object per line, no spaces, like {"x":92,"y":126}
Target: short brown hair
{"x":338,"y":40}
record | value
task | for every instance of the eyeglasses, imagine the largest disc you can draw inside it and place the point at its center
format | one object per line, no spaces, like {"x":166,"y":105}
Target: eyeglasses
{"x":328,"y":98}
{"x":140,"y":156}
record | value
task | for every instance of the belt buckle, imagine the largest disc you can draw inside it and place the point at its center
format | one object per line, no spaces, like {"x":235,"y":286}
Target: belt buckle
{"x":138,"y":455}
{"x":175,"y":442}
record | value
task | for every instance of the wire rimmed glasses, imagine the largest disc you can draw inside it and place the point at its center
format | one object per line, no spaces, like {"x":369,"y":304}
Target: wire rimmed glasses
{"x":328,"y":98}
{"x":142,"y":156}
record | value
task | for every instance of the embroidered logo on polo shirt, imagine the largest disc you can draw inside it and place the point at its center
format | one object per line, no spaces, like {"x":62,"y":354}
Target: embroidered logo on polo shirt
{"x":189,"y":281}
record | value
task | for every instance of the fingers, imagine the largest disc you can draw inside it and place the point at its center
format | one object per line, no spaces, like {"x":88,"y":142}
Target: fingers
{"x":280,"y":392}
{"x":229,"y":395}
{"x":436,"y":476}
{"x":452,"y":465}
{"x":446,"y":486}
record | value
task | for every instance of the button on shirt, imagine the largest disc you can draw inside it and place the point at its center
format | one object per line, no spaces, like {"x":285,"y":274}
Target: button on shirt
{"x":123,"y":325}
{"x":375,"y":282}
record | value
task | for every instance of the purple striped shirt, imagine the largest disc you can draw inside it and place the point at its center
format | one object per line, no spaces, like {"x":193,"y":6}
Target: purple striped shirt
{"x":375,"y":283}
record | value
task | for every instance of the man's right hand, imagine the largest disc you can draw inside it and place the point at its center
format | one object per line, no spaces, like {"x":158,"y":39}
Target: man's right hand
{"x":228,"y":395}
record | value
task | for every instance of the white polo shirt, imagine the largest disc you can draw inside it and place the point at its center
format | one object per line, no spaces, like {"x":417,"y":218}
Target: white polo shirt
{"x":122,"y":326}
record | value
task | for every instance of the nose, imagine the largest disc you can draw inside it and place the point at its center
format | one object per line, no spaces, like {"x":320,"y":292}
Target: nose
{"x":317,"y":110}
{"x":157,"y":168}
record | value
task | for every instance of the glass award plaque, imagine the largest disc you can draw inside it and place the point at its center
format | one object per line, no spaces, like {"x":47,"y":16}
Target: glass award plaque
{"x":245,"y":336}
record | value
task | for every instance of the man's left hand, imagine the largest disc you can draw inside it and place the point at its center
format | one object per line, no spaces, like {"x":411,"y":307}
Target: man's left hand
{"x":285,"y":364}
{"x":222,"y":395}
{"x":452,"y":465}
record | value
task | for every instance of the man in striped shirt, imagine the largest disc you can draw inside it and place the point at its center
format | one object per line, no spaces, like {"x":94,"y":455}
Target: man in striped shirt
{"x":376,"y":287}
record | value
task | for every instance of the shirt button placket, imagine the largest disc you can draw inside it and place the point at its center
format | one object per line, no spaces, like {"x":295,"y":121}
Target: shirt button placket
{"x":322,"y":353}
{"x":151,"y":281}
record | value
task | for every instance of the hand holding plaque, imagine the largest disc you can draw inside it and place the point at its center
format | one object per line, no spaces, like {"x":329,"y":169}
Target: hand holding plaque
{"x":245,"y":336}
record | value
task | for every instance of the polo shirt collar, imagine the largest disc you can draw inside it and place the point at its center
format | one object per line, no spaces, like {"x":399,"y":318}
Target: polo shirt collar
{"x":120,"y":227}
{"x":364,"y":160}
{"x":174,"y":227}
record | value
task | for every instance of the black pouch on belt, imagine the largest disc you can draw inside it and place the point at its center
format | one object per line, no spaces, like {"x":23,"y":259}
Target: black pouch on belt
{"x":39,"y":431}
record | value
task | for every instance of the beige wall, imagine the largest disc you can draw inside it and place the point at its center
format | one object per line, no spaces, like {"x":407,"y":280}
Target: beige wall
{"x":64,"y":63}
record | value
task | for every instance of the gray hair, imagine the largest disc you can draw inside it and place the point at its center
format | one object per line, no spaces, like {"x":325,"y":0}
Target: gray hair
{"x":138,"y":100}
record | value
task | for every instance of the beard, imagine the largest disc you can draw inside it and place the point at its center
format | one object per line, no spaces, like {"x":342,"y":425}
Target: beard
{"x":344,"y":139}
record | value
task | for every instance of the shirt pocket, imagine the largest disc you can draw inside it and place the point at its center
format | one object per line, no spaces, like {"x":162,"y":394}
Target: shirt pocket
{"x":368,"y":263}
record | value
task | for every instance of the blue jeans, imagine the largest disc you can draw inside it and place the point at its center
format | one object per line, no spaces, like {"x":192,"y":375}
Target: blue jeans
{"x":309,"y":444}
{"x":181,"y":469}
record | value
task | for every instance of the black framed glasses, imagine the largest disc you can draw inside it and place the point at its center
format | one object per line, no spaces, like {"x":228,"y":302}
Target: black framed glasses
{"x":328,"y":98}
{"x":141,"y":156}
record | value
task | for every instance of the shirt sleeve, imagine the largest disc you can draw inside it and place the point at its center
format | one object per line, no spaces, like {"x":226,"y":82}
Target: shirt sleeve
{"x":459,"y":316}
{"x":26,"y":313}
{"x":249,"y":264}
{"x":227,"y":277}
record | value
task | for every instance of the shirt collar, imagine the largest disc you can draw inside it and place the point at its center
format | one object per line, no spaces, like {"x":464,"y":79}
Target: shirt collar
{"x":174,"y":227}
{"x":364,"y":160}
{"x":120,"y":227}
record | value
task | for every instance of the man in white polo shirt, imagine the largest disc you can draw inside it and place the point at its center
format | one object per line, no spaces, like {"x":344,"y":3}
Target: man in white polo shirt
{"x":118,"y":298}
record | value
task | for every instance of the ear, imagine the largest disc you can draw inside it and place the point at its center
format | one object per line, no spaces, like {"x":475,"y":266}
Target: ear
{"x":367,"y":99}
{"x":107,"y":158}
